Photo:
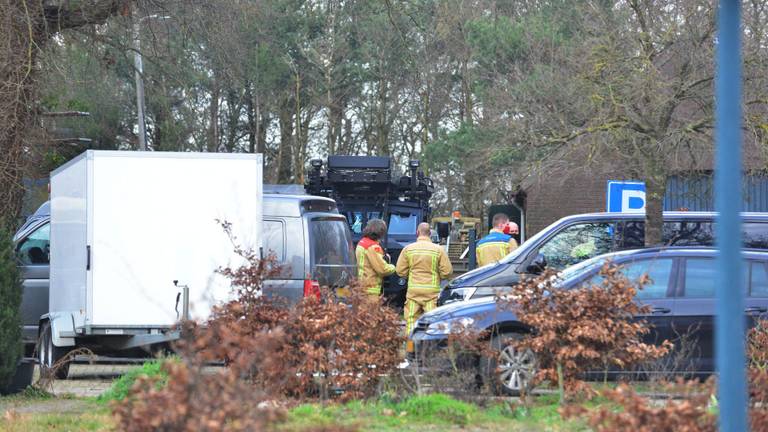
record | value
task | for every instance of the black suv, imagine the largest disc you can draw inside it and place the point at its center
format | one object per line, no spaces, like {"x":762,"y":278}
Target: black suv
{"x":576,"y":238}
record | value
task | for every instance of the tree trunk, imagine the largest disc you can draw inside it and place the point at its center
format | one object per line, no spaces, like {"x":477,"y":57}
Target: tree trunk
{"x":299,"y":141}
{"x":253,"y":123}
{"x":22,"y":32}
{"x":284,"y":154}
{"x":466,"y":90}
{"x":655,"y":188}
{"x":382,"y":135}
{"x":213,"y":127}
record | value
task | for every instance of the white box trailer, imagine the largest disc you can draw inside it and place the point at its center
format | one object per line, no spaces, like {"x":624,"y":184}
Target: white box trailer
{"x":126,"y":225}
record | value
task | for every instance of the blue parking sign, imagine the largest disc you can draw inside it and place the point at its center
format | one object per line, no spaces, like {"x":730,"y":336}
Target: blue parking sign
{"x":625,"y":196}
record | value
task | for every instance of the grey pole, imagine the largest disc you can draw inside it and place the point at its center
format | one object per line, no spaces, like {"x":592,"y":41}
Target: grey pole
{"x":139,"y":69}
{"x":471,"y":257}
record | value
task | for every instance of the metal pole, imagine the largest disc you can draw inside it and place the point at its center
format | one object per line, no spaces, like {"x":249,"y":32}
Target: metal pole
{"x":471,"y":257}
{"x":729,"y":323}
{"x":139,"y":70}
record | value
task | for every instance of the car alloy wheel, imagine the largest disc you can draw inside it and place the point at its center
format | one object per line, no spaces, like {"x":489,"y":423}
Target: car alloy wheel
{"x":516,"y":368}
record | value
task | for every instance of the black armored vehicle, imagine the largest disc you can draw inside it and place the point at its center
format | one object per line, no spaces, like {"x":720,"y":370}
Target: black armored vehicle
{"x":367,"y":187}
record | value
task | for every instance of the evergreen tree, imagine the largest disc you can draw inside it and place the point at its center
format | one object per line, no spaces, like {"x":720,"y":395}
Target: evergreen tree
{"x":10,"y":314}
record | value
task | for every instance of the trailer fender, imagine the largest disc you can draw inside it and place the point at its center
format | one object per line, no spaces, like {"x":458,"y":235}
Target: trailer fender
{"x":62,"y":328}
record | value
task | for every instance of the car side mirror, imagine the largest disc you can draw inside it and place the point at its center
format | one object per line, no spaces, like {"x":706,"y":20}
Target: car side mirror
{"x":538,"y":265}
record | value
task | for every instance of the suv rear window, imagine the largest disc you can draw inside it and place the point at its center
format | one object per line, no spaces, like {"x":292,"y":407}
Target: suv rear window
{"x":677,"y":233}
{"x":690,"y":233}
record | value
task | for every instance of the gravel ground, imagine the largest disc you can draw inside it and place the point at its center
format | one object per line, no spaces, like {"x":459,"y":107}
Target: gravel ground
{"x":89,"y":380}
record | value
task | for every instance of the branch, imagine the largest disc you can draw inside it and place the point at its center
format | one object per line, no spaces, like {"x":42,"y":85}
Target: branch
{"x":62,"y":15}
{"x":609,"y":125}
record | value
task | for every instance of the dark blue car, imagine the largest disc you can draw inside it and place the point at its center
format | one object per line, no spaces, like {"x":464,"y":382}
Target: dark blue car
{"x":681,"y":296}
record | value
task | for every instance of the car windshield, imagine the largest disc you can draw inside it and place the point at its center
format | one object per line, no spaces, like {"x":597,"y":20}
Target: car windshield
{"x":402,"y":223}
{"x":526,"y":246}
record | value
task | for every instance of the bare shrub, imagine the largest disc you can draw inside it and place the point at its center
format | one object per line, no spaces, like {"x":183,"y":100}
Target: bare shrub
{"x":61,"y":367}
{"x":589,"y":328}
{"x":691,"y":412}
{"x":450,"y":368}
{"x":678,"y":362}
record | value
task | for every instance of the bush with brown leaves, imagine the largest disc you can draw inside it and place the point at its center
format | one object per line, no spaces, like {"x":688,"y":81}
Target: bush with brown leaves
{"x":757,"y":353}
{"x":319,"y":348}
{"x":692,"y":409}
{"x":198,"y":398}
{"x":689,"y":412}
{"x":578,"y":330}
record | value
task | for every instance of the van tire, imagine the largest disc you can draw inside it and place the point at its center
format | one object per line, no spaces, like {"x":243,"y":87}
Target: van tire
{"x":48,"y":355}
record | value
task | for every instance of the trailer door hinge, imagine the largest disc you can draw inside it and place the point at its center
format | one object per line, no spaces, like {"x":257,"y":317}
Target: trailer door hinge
{"x":88,"y":257}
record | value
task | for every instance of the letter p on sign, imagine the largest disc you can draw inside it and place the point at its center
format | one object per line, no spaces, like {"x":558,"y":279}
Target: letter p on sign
{"x":625,"y":197}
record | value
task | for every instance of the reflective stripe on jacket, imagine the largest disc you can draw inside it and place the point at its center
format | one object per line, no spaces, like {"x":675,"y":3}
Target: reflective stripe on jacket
{"x":493,"y":247}
{"x":425,"y":264}
{"x":371,"y":266}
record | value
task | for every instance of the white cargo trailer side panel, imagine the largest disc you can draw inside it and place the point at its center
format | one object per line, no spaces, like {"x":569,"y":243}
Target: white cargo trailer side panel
{"x":69,"y":209}
{"x":153,"y":221}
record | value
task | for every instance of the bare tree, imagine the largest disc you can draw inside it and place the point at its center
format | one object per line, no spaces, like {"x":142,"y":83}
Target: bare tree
{"x":27,"y":27}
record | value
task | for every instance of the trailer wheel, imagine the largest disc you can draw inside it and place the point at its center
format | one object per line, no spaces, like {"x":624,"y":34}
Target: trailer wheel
{"x":48,"y":355}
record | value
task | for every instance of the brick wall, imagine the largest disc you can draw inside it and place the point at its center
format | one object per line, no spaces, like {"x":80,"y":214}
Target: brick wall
{"x":567,"y":189}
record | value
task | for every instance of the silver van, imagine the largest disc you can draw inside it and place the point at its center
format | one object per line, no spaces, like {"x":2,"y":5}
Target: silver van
{"x":310,"y":242}
{"x":307,"y":237}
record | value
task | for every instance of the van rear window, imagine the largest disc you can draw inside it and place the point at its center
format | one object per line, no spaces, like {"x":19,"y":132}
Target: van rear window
{"x":333,"y":261}
{"x":330,"y":241}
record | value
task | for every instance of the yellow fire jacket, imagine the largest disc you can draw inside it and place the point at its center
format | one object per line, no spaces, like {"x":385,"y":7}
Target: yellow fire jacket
{"x":371,"y":266}
{"x":424,"y":264}
{"x":493,"y":247}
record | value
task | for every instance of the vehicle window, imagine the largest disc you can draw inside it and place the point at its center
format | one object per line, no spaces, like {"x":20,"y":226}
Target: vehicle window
{"x":689,"y":233}
{"x":35,"y":249}
{"x":355,"y":220}
{"x":577,"y":243}
{"x":332,"y":259}
{"x":755,"y":235}
{"x":330,"y":242}
{"x":700,"y":276}
{"x":631,"y":235}
{"x":402,"y":223}
{"x":374,"y":215}
{"x":274,"y":239}
{"x":659,"y":272}
{"x":758,"y":286}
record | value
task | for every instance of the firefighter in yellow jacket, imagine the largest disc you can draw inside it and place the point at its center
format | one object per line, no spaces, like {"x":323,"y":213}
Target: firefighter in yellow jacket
{"x":425,"y":264}
{"x":371,"y":265}
{"x":497,"y":244}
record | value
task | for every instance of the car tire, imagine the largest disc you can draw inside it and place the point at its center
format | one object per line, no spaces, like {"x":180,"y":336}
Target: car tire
{"x":49,"y":354}
{"x":510,"y":371}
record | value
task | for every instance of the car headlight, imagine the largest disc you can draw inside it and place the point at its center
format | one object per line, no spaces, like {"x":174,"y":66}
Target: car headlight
{"x":445,"y":327}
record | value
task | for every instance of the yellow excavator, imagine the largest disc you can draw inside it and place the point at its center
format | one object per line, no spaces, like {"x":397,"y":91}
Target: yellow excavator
{"x":453,"y":233}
